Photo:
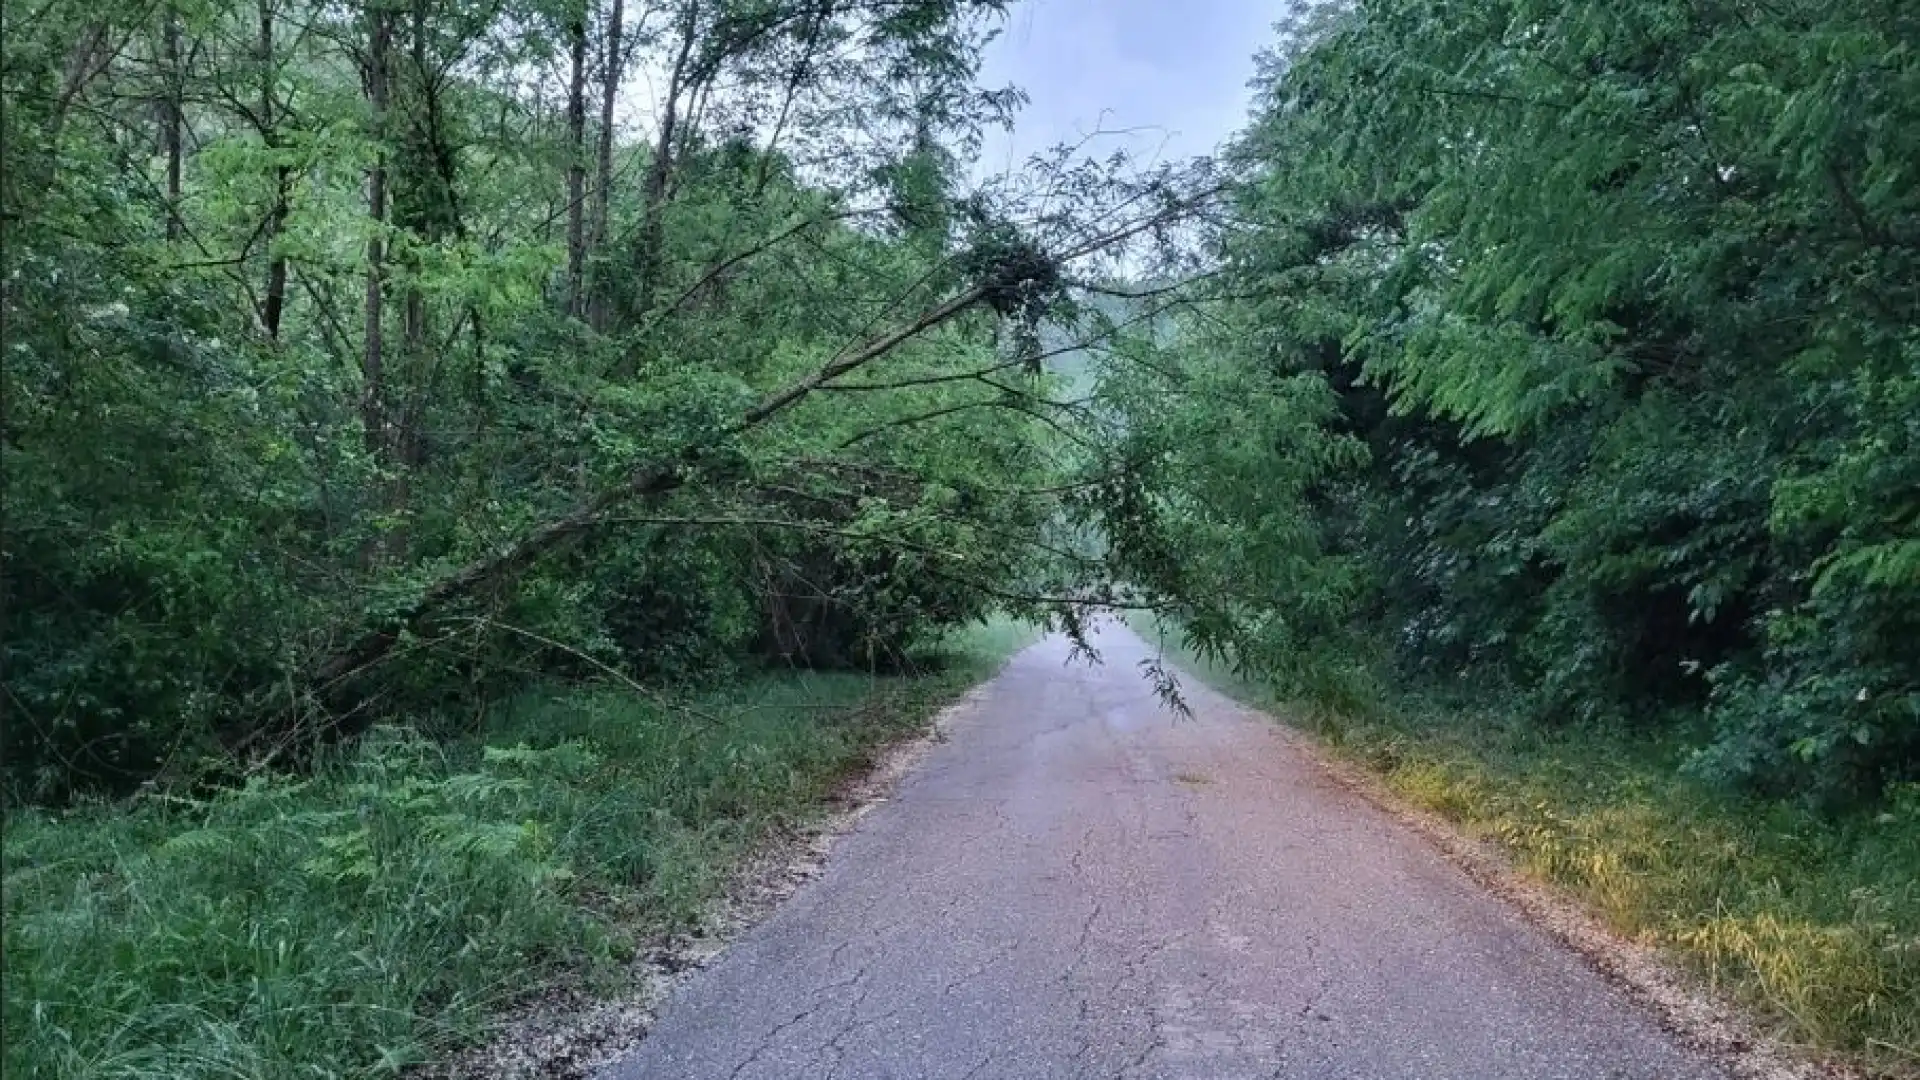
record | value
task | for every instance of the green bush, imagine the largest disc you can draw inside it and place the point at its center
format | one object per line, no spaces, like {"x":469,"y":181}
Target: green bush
{"x":1620,"y":300}
{"x":356,"y":921}
{"x":387,"y":908}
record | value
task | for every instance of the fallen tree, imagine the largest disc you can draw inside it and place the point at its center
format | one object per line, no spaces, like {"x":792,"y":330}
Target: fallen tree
{"x":1018,"y":283}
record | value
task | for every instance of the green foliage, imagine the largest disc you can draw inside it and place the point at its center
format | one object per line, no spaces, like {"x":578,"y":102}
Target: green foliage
{"x":146,"y":586}
{"x":1213,"y":514}
{"x":385,"y":909}
{"x":351,"y":922}
{"x":1620,"y":299}
{"x":260,"y":414}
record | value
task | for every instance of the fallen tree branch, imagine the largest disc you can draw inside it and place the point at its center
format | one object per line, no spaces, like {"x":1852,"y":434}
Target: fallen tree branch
{"x":669,"y":473}
{"x":647,"y":481}
{"x":932,"y":380}
{"x":917,"y":418}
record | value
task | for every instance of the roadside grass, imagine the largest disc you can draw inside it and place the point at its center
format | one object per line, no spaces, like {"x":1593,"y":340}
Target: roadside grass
{"x":1811,"y":920}
{"x":385,"y":909}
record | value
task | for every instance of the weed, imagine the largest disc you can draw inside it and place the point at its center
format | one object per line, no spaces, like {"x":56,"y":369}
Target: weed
{"x":386,"y":908}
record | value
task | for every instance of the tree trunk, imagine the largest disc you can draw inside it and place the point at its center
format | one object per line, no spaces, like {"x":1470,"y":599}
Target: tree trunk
{"x":428,"y":211}
{"x":577,"y":168}
{"x":653,"y":195}
{"x":171,"y":119}
{"x":275,"y":303}
{"x":373,"y":391}
{"x":276,"y":296}
{"x":802,"y":71}
{"x":613,"y":63}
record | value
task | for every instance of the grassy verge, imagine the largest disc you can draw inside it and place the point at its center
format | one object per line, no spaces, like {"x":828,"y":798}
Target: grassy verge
{"x":1812,"y":920}
{"x":370,"y":917}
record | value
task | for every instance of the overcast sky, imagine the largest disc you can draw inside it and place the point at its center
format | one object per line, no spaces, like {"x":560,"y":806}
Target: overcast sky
{"x":1177,"y":70}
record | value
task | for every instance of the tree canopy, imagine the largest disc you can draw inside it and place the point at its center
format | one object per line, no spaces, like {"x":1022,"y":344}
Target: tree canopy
{"x":1573,"y":346}
{"x":363,"y":359}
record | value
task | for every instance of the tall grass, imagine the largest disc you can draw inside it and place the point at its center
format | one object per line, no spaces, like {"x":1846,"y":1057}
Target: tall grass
{"x":1811,"y":919}
{"x":385,"y":909}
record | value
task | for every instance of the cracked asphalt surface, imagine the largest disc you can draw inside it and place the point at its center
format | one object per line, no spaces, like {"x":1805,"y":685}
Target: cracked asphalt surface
{"x":1076,"y":884}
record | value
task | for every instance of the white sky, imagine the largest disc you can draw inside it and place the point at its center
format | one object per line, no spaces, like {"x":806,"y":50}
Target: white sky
{"x":1174,"y":71}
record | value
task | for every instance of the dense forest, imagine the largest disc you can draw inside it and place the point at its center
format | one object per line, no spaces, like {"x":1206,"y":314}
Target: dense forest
{"x":1571,"y":349}
{"x":360,"y":361}
{"x":369,"y":362}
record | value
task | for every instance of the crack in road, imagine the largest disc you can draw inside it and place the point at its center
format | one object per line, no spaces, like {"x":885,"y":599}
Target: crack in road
{"x":1048,"y":897}
{"x":1321,"y":984}
{"x":991,"y":962}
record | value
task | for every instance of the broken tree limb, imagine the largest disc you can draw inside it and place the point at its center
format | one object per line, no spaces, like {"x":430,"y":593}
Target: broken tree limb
{"x":646,"y":481}
{"x":667,"y":474}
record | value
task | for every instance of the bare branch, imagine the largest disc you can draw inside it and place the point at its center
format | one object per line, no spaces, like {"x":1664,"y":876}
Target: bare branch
{"x":931,"y":380}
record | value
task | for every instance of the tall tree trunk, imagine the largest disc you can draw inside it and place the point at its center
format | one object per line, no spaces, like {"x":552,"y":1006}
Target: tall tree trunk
{"x":653,"y":195}
{"x":276,"y":295}
{"x":92,"y":51}
{"x":796,"y":81}
{"x":171,"y":119}
{"x":373,"y":391}
{"x":611,"y":68}
{"x":274,"y":305}
{"x":577,"y":167}
{"x":428,"y":210}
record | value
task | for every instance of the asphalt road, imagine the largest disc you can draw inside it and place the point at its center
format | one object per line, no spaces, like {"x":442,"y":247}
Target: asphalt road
{"x":1076,"y":884}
